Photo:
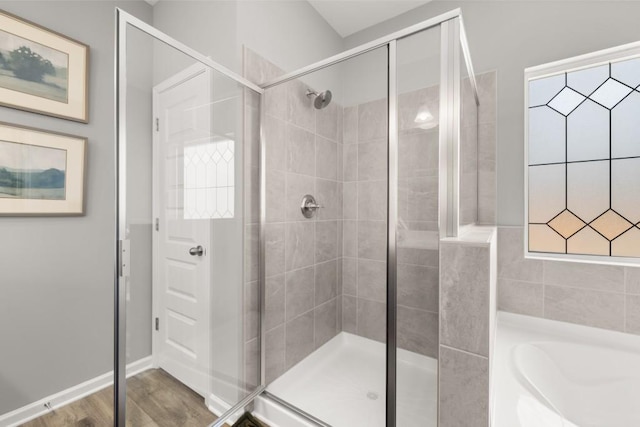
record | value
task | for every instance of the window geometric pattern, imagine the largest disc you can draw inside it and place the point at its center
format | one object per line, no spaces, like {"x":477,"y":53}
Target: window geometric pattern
{"x":584,"y":161}
{"x":209,"y":180}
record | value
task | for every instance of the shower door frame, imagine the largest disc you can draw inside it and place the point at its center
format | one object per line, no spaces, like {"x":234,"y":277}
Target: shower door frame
{"x":453,"y":44}
{"x":122,"y":247}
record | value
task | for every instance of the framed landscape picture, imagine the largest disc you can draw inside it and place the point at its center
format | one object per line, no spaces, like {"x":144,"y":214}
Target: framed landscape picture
{"x":41,"y":173}
{"x":42,"y":71}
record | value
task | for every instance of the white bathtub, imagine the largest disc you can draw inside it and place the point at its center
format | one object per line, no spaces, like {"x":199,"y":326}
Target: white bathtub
{"x":554,"y":374}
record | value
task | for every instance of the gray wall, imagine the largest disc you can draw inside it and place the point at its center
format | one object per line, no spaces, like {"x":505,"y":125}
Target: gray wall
{"x":56,"y":285}
{"x":510,"y":36}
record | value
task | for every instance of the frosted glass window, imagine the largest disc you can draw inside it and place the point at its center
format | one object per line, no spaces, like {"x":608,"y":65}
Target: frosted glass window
{"x":584,"y":161}
{"x":209,"y":180}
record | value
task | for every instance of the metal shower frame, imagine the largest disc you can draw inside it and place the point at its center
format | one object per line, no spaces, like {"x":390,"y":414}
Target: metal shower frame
{"x":453,"y":42}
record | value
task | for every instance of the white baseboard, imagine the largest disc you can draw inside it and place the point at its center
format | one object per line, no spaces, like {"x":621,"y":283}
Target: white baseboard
{"x":37,"y":408}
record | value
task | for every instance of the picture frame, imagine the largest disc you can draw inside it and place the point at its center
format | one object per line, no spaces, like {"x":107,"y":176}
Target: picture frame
{"x":42,"y":173}
{"x":42,"y":71}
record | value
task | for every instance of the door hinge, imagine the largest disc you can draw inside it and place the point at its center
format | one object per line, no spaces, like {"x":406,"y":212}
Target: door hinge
{"x":157,"y":323}
{"x":157,"y":124}
{"x":157,"y":224}
{"x":124,"y":247}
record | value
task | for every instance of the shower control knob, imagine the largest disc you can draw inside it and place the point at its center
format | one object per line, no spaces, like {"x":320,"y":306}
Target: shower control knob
{"x":308,"y":207}
{"x":197,"y":251}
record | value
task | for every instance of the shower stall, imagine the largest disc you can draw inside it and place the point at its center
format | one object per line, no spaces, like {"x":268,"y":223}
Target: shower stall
{"x":278,"y":232}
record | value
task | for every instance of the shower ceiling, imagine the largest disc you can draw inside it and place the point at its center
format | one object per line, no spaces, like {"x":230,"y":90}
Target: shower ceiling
{"x":350,"y":16}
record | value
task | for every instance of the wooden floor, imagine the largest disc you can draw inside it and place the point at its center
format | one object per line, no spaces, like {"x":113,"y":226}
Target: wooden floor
{"x":154,"y":398}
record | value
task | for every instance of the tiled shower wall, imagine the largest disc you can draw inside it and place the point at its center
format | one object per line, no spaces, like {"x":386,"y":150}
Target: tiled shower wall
{"x":365,"y":218}
{"x":604,"y":296}
{"x":303,"y":265}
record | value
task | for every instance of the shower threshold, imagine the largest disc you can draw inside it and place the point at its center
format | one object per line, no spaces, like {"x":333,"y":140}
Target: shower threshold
{"x":342,"y":383}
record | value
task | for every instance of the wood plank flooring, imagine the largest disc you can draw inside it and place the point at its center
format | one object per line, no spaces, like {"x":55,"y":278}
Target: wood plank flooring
{"x":154,"y":398}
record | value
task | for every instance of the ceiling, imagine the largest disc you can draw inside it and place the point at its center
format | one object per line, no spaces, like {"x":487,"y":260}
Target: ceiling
{"x":350,"y":16}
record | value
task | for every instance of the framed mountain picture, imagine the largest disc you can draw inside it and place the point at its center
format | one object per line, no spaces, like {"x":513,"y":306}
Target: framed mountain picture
{"x":41,"y":173}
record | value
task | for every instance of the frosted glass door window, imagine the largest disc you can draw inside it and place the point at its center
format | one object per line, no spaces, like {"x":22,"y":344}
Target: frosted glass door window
{"x":584,"y":161}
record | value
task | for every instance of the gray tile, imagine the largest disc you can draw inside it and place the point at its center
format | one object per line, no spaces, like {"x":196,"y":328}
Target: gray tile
{"x":275,"y":196}
{"x":486,"y":83}
{"x":340,"y":121}
{"x":274,"y":348}
{"x":584,"y":307}
{"x":418,"y":256}
{"x":326,"y":240}
{"x":422,"y":199}
{"x":339,"y":313}
{"x":300,"y":110}
{"x":350,"y":125}
{"x":327,"y":122}
{"x":487,"y":147}
{"x":275,"y":100}
{"x":487,"y":189}
{"x":299,"y":339}
{"x":326,"y":159}
{"x":274,"y":130}
{"x":582,"y":275}
{"x":296,"y":187}
{"x":340,"y":238}
{"x":632,"y":280}
{"x":300,"y":291}
{"x":520,"y":297}
{"x":418,"y":287}
{"x":350,"y":163}
{"x":350,"y":200}
{"x":418,"y":154}
{"x":632,"y":324}
{"x":251,"y":253}
{"x":350,"y":239}
{"x":252,"y":195}
{"x":372,"y":240}
{"x":274,"y":301}
{"x":372,"y":120}
{"x":349,"y":314}
{"x":250,"y":306}
{"x":326,"y":281}
{"x":257,"y":69}
{"x":325,"y":322}
{"x":418,"y":331}
{"x":328,"y":196}
{"x":274,"y":249}
{"x":251,"y":356}
{"x":349,"y":276}
{"x":372,"y":160}
{"x":372,"y":280}
{"x":301,"y":148}
{"x":300,"y":243}
{"x":372,"y":200}
{"x":464,"y":287}
{"x":372,"y":320}
{"x":464,"y":389}
{"x":511,"y":261}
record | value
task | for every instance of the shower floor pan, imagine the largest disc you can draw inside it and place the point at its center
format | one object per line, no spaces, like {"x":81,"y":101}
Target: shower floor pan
{"x":343,"y":384}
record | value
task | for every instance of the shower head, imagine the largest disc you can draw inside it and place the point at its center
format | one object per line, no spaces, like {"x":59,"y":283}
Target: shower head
{"x":322,"y":99}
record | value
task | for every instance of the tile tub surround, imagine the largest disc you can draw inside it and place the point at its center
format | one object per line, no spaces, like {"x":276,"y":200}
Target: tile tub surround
{"x":603,"y":296}
{"x":303,"y":256}
{"x":468,"y":267}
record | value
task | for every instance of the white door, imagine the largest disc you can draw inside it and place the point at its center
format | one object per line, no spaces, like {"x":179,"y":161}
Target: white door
{"x":182,"y":267}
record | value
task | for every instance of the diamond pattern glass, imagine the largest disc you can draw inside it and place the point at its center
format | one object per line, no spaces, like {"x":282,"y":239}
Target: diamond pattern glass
{"x":610,"y":93}
{"x":566,"y":101}
{"x":566,"y":224}
{"x":584,"y":161}
{"x":209,"y":180}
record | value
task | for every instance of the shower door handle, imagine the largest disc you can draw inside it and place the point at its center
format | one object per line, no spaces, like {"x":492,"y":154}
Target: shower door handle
{"x":197,"y":251}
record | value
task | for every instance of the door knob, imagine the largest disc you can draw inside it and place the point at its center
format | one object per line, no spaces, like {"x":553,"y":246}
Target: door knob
{"x":197,"y":251}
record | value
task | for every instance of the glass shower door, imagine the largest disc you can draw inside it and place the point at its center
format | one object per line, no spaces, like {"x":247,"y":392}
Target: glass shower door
{"x":188,"y":162}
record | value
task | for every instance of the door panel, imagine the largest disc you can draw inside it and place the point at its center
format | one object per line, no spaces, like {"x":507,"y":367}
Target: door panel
{"x":182,"y":287}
